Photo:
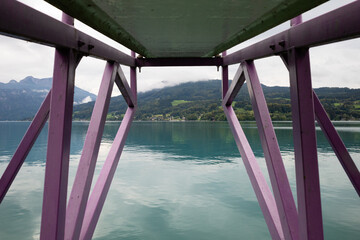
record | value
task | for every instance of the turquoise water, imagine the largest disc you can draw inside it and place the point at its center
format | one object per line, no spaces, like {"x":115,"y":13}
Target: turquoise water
{"x":179,"y":180}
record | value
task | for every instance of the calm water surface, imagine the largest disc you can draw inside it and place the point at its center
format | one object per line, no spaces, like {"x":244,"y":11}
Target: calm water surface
{"x":179,"y":180}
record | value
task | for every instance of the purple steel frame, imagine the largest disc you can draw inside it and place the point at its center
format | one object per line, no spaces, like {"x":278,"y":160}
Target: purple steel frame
{"x":79,"y":219}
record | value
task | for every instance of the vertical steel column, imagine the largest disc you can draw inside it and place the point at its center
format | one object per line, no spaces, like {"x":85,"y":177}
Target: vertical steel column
{"x":133,"y":80}
{"x":306,"y":162}
{"x":84,"y":175}
{"x":279,"y":180}
{"x":58,"y":151}
{"x":224,"y":77}
{"x":337,"y":144}
{"x":258,"y":182}
{"x":25,"y":146}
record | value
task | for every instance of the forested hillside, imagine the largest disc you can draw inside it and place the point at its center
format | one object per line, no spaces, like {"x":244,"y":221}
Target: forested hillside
{"x":202,"y":101}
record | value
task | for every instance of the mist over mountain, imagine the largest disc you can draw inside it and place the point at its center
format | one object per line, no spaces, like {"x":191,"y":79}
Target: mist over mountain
{"x":21,"y":100}
{"x":187,"y":101}
{"x":202,"y":101}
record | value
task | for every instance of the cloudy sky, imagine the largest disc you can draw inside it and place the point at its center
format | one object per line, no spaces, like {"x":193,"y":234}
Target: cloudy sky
{"x":334,"y":65}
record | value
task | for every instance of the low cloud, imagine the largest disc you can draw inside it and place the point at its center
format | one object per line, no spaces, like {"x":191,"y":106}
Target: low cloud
{"x":332,"y":65}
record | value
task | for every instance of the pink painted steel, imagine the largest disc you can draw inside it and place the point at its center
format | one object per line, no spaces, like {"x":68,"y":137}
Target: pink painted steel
{"x":25,"y":146}
{"x":58,"y":151}
{"x":224,"y":77}
{"x":296,"y":21}
{"x":41,"y":28}
{"x":263,"y":193}
{"x":236,"y":84}
{"x":133,"y":80}
{"x":168,"y":62}
{"x":124,"y":88}
{"x":337,"y":144}
{"x":306,"y":162}
{"x":279,"y":180}
{"x":101,"y":188}
{"x":337,"y":25}
{"x":57,"y":158}
{"x":67,"y":19}
{"x":83,"y":179}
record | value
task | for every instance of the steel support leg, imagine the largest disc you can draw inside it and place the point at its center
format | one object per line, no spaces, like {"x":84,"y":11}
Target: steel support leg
{"x":306,"y":162}
{"x":83,"y":179}
{"x":133,"y":79}
{"x":24,"y":147}
{"x":225,"y":78}
{"x":279,"y":180}
{"x":58,"y":151}
{"x":337,"y":144}
{"x":262,"y":190}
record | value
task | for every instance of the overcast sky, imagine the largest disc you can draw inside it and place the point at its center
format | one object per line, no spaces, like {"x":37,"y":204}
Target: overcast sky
{"x":335,"y":65}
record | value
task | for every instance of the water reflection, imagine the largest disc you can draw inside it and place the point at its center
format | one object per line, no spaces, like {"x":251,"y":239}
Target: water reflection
{"x":180,"y":180}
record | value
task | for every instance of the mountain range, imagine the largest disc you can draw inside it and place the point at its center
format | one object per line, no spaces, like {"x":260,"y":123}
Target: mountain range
{"x":202,"y":101}
{"x":188,"y":101}
{"x":21,"y":100}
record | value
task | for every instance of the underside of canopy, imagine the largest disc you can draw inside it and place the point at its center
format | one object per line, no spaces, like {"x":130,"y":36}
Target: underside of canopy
{"x":187,"y":28}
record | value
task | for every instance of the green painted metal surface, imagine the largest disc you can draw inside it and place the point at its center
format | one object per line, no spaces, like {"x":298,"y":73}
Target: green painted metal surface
{"x":187,"y":28}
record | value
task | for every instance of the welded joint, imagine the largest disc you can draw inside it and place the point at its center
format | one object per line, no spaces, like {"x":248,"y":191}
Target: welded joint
{"x":124,"y":88}
{"x":237,"y":83}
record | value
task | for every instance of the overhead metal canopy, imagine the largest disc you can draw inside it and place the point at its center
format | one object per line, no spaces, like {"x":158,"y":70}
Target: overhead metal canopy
{"x":186,"y":28}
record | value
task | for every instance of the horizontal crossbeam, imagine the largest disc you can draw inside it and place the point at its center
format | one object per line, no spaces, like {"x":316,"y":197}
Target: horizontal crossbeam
{"x":23,"y":22}
{"x":176,"y":62}
{"x":337,"y":25}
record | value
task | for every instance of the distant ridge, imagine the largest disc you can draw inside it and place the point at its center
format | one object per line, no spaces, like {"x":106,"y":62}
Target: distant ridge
{"x":202,"y":101}
{"x":187,"y":101}
{"x":21,"y":100}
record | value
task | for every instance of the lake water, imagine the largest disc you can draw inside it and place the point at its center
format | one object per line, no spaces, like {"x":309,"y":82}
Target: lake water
{"x":179,"y":180}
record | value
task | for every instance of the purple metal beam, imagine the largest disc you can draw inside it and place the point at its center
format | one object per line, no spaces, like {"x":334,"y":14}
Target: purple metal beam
{"x":174,"y":62}
{"x":25,"y":146}
{"x":101,"y":188}
{"x":262,"y":190}
{"x":337,"y":144}
{"x":82,"y":183}
{"x":296,"y":21}
{"x":43,"y":29}
{"x":124,"y":88}
{"x":235,"y":87}
{"x":133,"y":80}
{"x":306,"y":162}
{"x":58,"y":151}
{"x":225,"y":78}
{"x":333,"y":137}
{"x":279,"y":180}
{"x":337,"y":25}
